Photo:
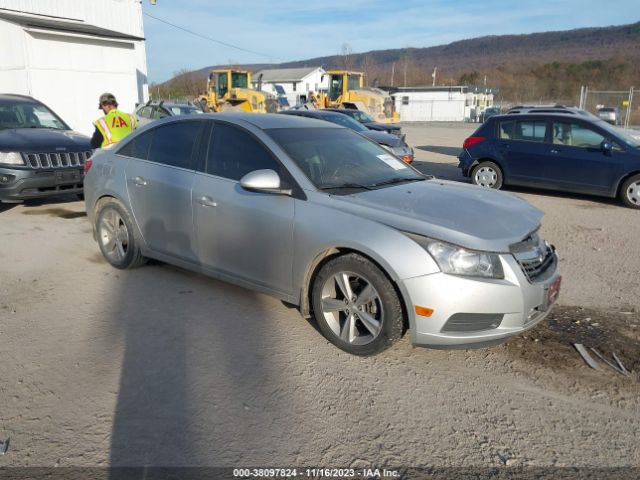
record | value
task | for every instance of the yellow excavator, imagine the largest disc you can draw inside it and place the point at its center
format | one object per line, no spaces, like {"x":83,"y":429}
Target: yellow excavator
{"x":230,"y":90}
{"x":346,"y":90}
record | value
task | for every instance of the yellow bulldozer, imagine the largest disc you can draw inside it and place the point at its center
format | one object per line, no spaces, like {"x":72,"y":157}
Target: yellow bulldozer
{"x":230,"y":90}
{"x":346,"y":90}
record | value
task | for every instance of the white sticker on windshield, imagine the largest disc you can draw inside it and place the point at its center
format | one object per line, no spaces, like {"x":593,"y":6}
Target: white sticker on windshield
{"x":392,"y":162}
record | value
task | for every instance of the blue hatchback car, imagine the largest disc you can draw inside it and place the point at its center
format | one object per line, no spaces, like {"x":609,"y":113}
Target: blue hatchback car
{"x":555,"y":151}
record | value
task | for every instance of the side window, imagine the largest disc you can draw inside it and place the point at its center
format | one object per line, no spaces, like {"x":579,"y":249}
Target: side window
{"x":145,"y":112}
{"x":530,"y":131}
{"x":173,"y":144}
{"x":506,"y":129}
{"x":405,"y":100}
{"x":138,"y":147}
{"x":233,"y":153}
{"x":575,"y":135}
{"x":159,"y":112}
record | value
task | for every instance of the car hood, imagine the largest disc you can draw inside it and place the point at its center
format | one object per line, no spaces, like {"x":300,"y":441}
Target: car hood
{"x":383,"y":138}
{"x":42,"y":140}
{"x":466,"y":215}
{"x":384,"y":127}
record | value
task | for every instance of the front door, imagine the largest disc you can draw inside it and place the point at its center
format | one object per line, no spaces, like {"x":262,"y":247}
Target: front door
{"x":243,"y":234}
{"x":577,"y":160}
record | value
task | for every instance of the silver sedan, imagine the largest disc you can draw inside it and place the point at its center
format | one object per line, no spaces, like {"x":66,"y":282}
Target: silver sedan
{"x":329,"y":221}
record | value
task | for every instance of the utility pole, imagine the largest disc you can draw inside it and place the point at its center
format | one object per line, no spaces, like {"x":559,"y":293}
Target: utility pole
{"x":393,"y":72}
{"x":405,"y":71}
{"x":433,"y":75}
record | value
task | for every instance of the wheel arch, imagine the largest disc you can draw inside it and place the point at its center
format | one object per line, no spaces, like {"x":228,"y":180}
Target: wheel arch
{"x":623,"y":179}
{"x":486,"y":159}
{"x":104,"y":198}
{"x":311,"y":272}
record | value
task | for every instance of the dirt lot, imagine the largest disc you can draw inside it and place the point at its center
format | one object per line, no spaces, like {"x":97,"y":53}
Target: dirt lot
{"x":160,"y":366}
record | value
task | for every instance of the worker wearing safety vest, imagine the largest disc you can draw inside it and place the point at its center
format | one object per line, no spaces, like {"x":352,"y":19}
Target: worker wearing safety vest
{"x":114,"y":126}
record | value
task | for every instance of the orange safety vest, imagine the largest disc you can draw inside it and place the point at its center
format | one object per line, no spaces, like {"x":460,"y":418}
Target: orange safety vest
{"x":114,"y":126}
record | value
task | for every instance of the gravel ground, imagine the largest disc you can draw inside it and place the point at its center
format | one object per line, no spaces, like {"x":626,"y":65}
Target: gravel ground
{"x":160,"y":366}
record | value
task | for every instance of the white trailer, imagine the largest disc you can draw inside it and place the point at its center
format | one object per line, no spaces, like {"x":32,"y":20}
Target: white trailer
{"x":65,"y":53}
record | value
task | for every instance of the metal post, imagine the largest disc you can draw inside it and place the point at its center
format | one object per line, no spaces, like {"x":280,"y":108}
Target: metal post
{"x":627,"y":119}
{"x":581,"y":97}
{"x":586,"y":94}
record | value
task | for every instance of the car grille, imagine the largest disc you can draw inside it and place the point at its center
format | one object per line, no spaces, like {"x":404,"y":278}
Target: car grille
{"x":55,"y":160}
{"x":535,"y":257}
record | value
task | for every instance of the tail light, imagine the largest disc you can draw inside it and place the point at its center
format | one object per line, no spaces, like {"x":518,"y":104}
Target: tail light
{"x":407,"y":159}
{"x":472,"y":141}
{"x":87,"y":165}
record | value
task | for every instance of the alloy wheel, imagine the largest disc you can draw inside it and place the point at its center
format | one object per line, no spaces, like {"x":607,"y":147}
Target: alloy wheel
{"x":114,"y":235}
{"x":352,"y":308}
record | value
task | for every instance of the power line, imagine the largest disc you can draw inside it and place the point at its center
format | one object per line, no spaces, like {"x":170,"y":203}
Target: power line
{"x":270,"y":57}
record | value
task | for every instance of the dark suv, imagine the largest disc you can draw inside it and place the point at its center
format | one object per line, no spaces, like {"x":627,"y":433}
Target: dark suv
{"x":39,"y":154}
{"x":560,"y":151}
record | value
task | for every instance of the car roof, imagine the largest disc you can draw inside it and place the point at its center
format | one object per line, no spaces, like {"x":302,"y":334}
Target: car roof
{"x":167,"y":104}
{"x":17,"y":97}
{"x":313,"y":113}
{"x":538,"y":114}
{"x":263,"y":121}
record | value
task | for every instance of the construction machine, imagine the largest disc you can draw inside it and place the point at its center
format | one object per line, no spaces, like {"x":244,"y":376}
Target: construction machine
{"x":346,"y":90}
{"x":229,"y":89}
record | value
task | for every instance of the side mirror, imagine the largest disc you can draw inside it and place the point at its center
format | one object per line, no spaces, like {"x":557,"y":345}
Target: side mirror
{"x":265,"y":181}
{"x":606,"y":146}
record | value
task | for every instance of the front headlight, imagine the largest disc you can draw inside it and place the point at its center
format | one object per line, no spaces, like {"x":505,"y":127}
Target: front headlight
{"x":11,"y":158}
{"x":461,"y":261}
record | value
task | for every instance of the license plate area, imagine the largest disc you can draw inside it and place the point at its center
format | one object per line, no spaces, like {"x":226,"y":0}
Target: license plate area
{"x":68,"y":176}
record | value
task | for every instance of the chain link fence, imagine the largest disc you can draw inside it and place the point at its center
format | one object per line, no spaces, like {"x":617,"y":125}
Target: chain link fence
{"x":619,"y":105}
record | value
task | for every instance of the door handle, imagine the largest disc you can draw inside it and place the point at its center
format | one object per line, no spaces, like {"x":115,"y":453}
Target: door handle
{"x":206,"y":201}
{"x":141,"y":182}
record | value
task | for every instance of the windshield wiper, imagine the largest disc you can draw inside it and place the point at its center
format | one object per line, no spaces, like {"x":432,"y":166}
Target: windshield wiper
{"x":345,"y":185}
{"x":398,"y":180}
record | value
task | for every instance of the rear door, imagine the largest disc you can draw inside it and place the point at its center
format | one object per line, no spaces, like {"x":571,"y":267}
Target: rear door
{"x":243,"y":234}
{"x":159,"y":188}
{"x":523,"y":145}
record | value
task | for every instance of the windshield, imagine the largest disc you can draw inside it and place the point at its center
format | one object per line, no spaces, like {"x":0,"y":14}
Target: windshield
{"x":18,"y":114}
{"x":239,"y":80}
{"x":184,"y":110}
{"x":338,"y":158}
{"x":362,"y":117}
{"x":619,"y":133}
{"x":344,"y":121}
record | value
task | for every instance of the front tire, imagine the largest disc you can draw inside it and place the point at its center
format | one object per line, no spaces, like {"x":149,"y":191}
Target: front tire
{"x":116,"y":239}
{"x":488,"y":175}
{"x":356,"y":306}
{"x":630,"y":192}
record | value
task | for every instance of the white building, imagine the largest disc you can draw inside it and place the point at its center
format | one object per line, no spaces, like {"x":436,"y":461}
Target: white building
{"x":65,"y":53}
{"x":296,"y":82}
{"x":441,"y":104}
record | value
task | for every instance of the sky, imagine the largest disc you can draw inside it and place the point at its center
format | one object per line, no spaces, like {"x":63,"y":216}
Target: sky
{"x":289,"y":30}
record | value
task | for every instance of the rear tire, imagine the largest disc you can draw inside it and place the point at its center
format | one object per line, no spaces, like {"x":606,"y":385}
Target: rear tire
{"x":487,"y":174}
{"x":356,"y":306}
{"x":630,"y":192}
{"x":116,"y":238}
